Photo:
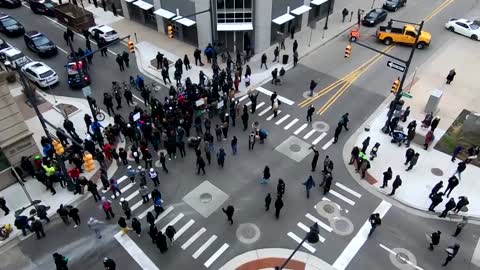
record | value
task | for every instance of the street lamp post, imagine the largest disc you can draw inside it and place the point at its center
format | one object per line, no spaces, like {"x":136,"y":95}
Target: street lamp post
{"x":311,"y":237}
{"x":373,"y":3}
{"x":328,"y":14}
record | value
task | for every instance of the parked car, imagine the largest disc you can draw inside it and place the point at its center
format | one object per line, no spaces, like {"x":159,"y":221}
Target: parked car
{"x":40,"y":44}
{"x":10,"y":3}
{"x":464,"y":27}
{"x":77,"y":74}
{"x":44,"y":7}
{"x":3,"y":44}
{"x":40,"y":74}
{"x":394,"y":5}
{"x":103,"y":31}
{"x":10,"y":27}
{"x":13,"y":58}
{"x":374,"y":16}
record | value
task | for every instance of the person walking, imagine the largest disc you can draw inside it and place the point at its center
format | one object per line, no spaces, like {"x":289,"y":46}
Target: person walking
{"x":264,"y":61}
{"x":436,"y":200}
{"x":387,"y":176}
{"x":295,"y":58}
{"x":375,"y":221}
{"x":186,"y":62}
{"x":234,"y":145}
{"x":229,"y":212}
{"x":460,"y":168}
{"x":114,"y":188}
{"x":37,"y":227}
{"x":316,"y":155}
{"x":327,"y":180}
{"x":409,"y":155}
{"x":119,"y":61}
{"x":460,"y":226}
{"x":108,"y":263}
{"x":354,"y":154}
{"x":396,"y":184}
{"x":159,"y":58}
{"x":451,"y":253}
{"x":163,"y":161}
{"x":221,"y":157}
{"x":60,"y":261}
{"x":143,"y":191}
{"x":310,"y":112}
{"x":123,"y":225}
{"x":313,"y":84}
{"x":63,"y":213}
{"x":154,"y":177}
{"x":456,"y":151}
{"x":413,"y":161}
{"x":295,"y":44}
{"x":266,"y":175}
{"x":161,"y":241}
{"x":245,"y":117}
{"x":344,"y":121}
{"x":153,"y":231}
{"x":450,"y":205}
{"x":344,"y":14}
{"x":107,"y":208}
{"x":136,"y":226}
{"x":200,"y":165}
{"x":280,"y":187}
{"x":126,"y":59}
{"x":462,"y":202}
{"x":268,"y":201}
{"x":276,"y":54}
{"x":197,"y":54}
{"x":278,"y":206}
{"x":365,"y":144}
{"x":126,"y":208}
{"x":410,"y":136}
{"x":309,"y":184}
{"x":428,"y":139}
{"x":452,"y":183}
{"x":3,"y":206}
{"x":436,"y":188}
{"x":73,"y":213}
{"x":170,"y":233}
{"x":338,"y":130}
{"x":434,"y":239}
{"x":451,"y":75}
{"x":94,"y":225}
{"x":251,"y":140}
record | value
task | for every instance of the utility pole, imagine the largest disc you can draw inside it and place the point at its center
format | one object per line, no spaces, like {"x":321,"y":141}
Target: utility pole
{"x":311,"y":237}
{"x":328,"y":14}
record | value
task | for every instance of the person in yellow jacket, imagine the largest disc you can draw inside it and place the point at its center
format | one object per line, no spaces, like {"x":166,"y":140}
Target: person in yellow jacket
{"x":50,"y":172}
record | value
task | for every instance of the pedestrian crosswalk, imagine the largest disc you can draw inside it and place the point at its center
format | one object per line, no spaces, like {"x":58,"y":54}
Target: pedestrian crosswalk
{"x":342,"y":197}
{"x":195,"y":240}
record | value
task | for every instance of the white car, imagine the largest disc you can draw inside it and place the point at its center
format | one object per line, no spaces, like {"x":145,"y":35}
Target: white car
{"x":40,"y":73}
{"x":464,"y":27}
{"x":103,"y":31}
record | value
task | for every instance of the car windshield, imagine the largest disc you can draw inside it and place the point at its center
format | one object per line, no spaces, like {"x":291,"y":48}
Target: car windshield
{"x":475,"y":25}
{"x":372,"y":15}
{"x":111,"y":33}
{"x":15,"y":57}
{"x":49,"y":5}
{"x":40,"y":41}
{"x":46,"y":74}
{"x":8,"y":22}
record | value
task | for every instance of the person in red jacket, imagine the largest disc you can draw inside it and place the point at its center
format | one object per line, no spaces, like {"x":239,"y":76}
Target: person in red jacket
{"x":107,"y":151}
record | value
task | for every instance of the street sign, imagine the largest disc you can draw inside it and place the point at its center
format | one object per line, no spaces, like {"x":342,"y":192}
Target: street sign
{"x":87,"y":91}
{"x":407,"y":95}
{"x":396,"y":66}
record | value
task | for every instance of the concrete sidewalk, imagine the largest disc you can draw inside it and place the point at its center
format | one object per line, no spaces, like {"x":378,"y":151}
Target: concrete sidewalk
{"x":433,"y":165}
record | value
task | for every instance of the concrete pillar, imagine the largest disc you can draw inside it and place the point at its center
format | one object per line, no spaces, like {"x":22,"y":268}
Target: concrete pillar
{"x":160,"y":25}
{"x":262,"y":24}
{"x":305,"y":16}
{"x":126,"y":13}
{"x":204,"y":23}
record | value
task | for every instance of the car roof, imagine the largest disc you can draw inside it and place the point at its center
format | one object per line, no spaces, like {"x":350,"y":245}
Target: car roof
{"x":11,"y":51}
{"x":37,"y":67}
{"x":104,"y":28}
{"x":3,"y":15}
{"x":33,"y":33}
{"x":377,"y":10}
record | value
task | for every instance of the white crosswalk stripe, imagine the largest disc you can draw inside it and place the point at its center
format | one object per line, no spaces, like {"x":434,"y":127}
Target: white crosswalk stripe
{"x":307,"y":229}
{"x":242,"y":98}
{"x":260,"y":105}
{"x":282,"y":119}
{"x":136,"y":205}
{"x":129,"y":197}
{"x":173,"y":222}
{"x":291,"y":124}
{"x":248,"y":103}
{"x":349,"y":190}
{"x":310,"y":133}
{"x":204,"y":246}
{"x":341,"y":197}
{"x":271,"y":116}
{"x":183,"y":229}
{"x":327,"y":144}
{"x":215,"y":255}
{"x":264,"y":111}
{"x":165,"y":213}
{"x":320,"y":223}
{"x":299,"y":240}
{"x":300,"y":129}
{"x":317,"y":140}
{"x":193,"y":238}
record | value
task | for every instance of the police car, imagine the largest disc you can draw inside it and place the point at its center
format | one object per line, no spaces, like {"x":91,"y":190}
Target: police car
{"x":469,"y":28}
{"x":40,"y":44}
{"x":77,"y":74}
{"x":10,"y":27}
{"x":13,"y":58}
{"x":40,"y":73}
{"x":103,"y":31}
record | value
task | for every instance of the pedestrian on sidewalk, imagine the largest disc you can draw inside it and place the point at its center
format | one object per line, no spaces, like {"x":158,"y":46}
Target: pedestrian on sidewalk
{"x":161,"y":241}
{"x":452,"y":183}
{"x":109,"y":264}
{"x":163,"y":161}
{"x":295,"y":46}
{"x":251,"y":140}
{"x":274,"y":76}
{"x":42,"y":212}
{"x":159,"y":58}
{"x":460,"y":168}
{"x":136,"y":226}
{"x":344,"y":121}
{"x":107,"y":208}
{"x":123,"y":155}
{"x":449,"y":206}
{"x":60,"y":260}
{"x":126,"y":208}
{"x":427,"y":121}
{"x":229,"y":212}
{"x":73,"y":213}
{"x":413,"y":161}
{"x":462,"y":202}
{"x":3,"y":206}
{"x":375,"y":221}
{"x":344,"y":14}
{"x":364,"y":166}
{"x":365,"y":144}
{"x":94,"y":225}
{"x":316,"y":155}
{"x":197,"y":54}
{"x":220,"y":157}
{"x":21,"y":223}
{"x":245,"y":117}
{"x":354,"y":154}
{"x":170,"y":233}
{"x":434,"y":239}
{"x":436,"y":200}
{"x":436,"y":188}
{"x":457,"y":150}
{"x":108,"y":102}
{"x":295,"y":58}
{"x":166,"y":76}
{"x":405,"y":114}
{"x":278,"y":206}
{"x":186,"y":62}
{"x":396,"y":184}
{"x":374,"y":151}
{"x":309,"y":184}
{"x":310,"y":112}
{"x":266,"y":175}
{"x":410,"y":136}
{"x":234,"y":143}
{"x":276,"y":54}
{"x":123,"y":225}
{"x":387,"y":176}
{"x":435,"y":123}
{"x":451,"y":253}
{"x":460,"y":226}
{"x":264,"y":61}
{"x":70,"y":128}
{"x":451,"y":76}
{"x":268,"y":201}
{"x":119,"y":61}
{"x":201,"y":164}
{"x":409,"y":154}
{"x":313,"y":84}
{"x":37,"y":227}
{"x":126,"y":59}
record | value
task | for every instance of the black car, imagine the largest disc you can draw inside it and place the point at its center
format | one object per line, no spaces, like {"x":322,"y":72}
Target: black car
{"x":10,"y":3}
{"x":374,"y":16}
{"x":40,"y":44}
{"x":394,"y":5}
{"x":3,"y":44}
{"x":77,"y":74}
{"x":44,"y":7}
{"x":10,"y":26}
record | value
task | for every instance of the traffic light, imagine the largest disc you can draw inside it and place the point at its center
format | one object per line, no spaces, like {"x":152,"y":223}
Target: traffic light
{"x":58,"y":147}
{"x":131,"y":47}
{"x":170,"y":31}
{"x":348,"y":51}
{"x":88,"y":162}
{"x":395,"y":86}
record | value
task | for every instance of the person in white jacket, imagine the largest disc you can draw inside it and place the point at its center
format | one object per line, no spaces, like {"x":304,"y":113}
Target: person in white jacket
{"x":94,"y":225}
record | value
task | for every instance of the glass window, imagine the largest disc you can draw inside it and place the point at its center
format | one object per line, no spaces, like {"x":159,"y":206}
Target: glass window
{"x":220,"y":4}
{"x":229,"y":3}
{"x":248,"y":3}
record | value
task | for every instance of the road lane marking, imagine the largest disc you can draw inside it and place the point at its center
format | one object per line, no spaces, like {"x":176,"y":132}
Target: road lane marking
{"x":310,"y":133}
{"x":121,"y":179}
{"x":249,"y":103}
{"x":400,"y":257}
{"x":299,"y":240}
{"x":135,"y":193}
{"x":215,"y":255}
{"x":349,"y":190}
{"x":271,"y":116}
{"x":260,"y":105}
{"x":307,"y":229}
{"x":300,"y":129}
{"x":269,"y":93}
{"x":438,"y":10}
{"x":163,"y":214}
{"x":317,"y":140}
{"x":204,"y":246}
{"x":193,"y":238}
{"x":327,"y":144}
{"x":135,"y":206}
{"x":359,"y":239}
{"x":282,"y":119}
{"x":183,"y":229}
{"x":242,"y":98}
{"x":173,"y":222}
{"x":264,"y":111}
{"x":341,"y":197}
{"x":320,"y":223}
{"x":135,"y":252}
{"x":291,"y":124}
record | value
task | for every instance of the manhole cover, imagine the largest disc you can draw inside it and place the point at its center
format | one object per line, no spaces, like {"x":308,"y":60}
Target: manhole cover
{"x":403,"y":259}
{"x":248,"y":233}
{"x":437,"y":172}
{"x":205,"y":197}
{"x":320,"y":126}
{"x":329,"y":208}
{"x":295,"y":148}
{"x":342,"y":225}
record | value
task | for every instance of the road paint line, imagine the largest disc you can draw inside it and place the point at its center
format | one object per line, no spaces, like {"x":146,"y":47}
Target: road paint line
{"x":299,"y":240}
{"x":164,"y":213}
{"x":249,"y":103}
{"x":327,"y":144}
{"x":242,"y":98}
{"x":317,"y":140}
{"x":341,"y":197}
{"x":121,"y":179}
{"x":135,"y":206}
{"x":291,"y":124}
{"x":173,"y":222}
{"x":215,"y":255}
{"x":307,"y":229}
{"x":144,"y":213}
{"x":260,"y":105}
{"x":264,"y":111}
{"x":271,"y":116}
{"x":310,"y":133}
{"x":204,"y":246}
{"x":282,"y":119}
{"x":135,"y":252}
{"x":360,"y":238}
{"x":135,"y":193}
{"x":139,"y":99}
{"x":125,"y":188}
{"x":400,"y":256}
{"x":183,"y":229}
{"x":193,"y":238}
{"x":269,"y":93}
{"x":300,"y":129}
{"x":320,"y":223}
{"x":349,"y":190}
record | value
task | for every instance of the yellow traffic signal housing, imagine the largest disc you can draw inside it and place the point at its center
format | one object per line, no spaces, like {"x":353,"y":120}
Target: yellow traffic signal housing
{"x":88,"y":162}
{"x":131,"y":46}
{"x":58,"y":147}
{"x":395,"y":86}
{"x":170,"y":31}
{"x":348,"y":51}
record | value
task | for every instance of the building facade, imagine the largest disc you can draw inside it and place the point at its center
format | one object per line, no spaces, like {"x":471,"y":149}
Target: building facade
{"x":231,"y":24}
